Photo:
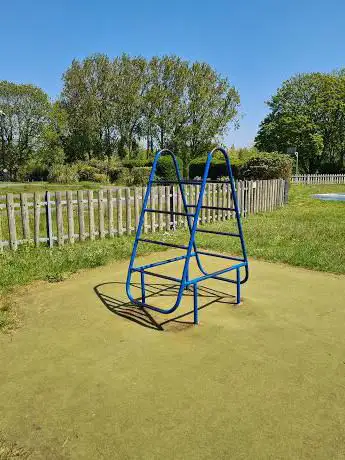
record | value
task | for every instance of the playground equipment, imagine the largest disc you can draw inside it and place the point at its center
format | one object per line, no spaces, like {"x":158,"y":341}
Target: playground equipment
{"x":191,"y":212}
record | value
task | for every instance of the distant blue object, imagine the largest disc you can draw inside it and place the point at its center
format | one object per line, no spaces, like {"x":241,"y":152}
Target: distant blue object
{"x":330,"y":196}
{"x":191,"y":249}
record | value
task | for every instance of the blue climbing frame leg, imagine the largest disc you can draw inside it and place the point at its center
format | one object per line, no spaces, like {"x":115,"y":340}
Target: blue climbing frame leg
{"x":238,"y":286}
{"x":192,"y":213}
{"x":195,"y":303}
{"x":142,"y":283}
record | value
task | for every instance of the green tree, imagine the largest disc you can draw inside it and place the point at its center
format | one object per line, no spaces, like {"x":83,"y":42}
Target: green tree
{"x":87,"y":97}
{"x":54,"y":135}
{"x":24,"y":112}
{"x":308,"y":112}
{"x":165,"y":110}
{"x":210,"y":104}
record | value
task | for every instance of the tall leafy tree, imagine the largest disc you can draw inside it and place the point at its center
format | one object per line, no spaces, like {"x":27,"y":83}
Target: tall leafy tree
{"x":87,"y":97}
{"x":24,"y":111}
{"x":308,"y":112}
{"x":165,"y":99}
{"x":210,"y":104}
{"x":130,"y":80}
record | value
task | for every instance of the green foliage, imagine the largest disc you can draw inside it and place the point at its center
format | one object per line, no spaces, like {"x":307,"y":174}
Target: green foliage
{"x":212,"y":103}
{"x":217,"y":168}
{"x":251,"y":165}
{"x":63,"y":174}
{"x":32,"y":172}
{"x":138,"y":176}
{"x":166,"y":168}
{"x":308,"y":111}
{"x":24,"y":111}
{"x":269,"y":166}
{"x":101,"y":178}
{"x":87,"y":172}
{"x":113,"y":105}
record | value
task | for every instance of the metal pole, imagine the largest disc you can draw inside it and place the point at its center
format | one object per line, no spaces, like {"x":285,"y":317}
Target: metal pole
{"x":195,"y":303}
{"x":142,"y":282}
{"x":2,"y":119}
{"x":296,"y":153}
{"x":238,"y":286}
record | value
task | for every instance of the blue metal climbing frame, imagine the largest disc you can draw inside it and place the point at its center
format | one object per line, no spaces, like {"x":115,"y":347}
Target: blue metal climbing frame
{"x":191,"y":250}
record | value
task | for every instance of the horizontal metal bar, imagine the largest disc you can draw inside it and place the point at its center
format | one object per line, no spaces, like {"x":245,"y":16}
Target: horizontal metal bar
{"x":217,"y":233}
{"x":191,"y":182}
{"x":211,"y":207}
{"x":163,"y":262}
{"x":215,"y":274}
{"x":169,"y":212}
{"x":158,"y":275}
{"x":144,"y":240}
{"x":220,"y":278}
{"x":221,"y":256}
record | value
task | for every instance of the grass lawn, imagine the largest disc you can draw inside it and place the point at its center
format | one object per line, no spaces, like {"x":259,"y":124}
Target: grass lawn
{"x":307,"y":233}
{"x":31,"y":187}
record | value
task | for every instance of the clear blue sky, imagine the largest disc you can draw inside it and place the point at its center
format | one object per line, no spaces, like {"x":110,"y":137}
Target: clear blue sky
{"x":257,"y":44}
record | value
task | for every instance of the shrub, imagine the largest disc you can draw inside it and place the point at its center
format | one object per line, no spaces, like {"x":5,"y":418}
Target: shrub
{"x":141,"y":175}
{"x":136,"y":163}
{"x":262,"y":166}
{"x":87,"y":172}
{"x":267,"y":166}
{"x":33,"y":172}
{"x":121,"y":176}
{"x":217,"y":168}
{"x":166,"y":168}
{"x":114,"y":174}
{"x":101,"y":178}
{"x":63,"y":174}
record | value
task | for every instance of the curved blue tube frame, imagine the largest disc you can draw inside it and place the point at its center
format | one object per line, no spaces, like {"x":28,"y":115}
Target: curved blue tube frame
{"x":191,"y":249}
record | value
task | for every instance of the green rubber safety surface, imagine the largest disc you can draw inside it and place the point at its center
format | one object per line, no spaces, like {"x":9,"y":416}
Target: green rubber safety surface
{"x":88,"y":376}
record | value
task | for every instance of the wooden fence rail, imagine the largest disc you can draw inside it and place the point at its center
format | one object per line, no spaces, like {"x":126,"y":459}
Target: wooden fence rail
{"x":314,"y":179}
{"x":58,"y":218}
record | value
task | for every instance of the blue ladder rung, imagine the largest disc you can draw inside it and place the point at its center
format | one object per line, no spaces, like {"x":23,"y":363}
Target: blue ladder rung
{"x":214,"y":274}
{"x":221,"y":256}
{"x":159,"y":211}
{"x":218,"y":208}
{"x":218,"y":233}
{"x":158,"y":275}
{"x":171,"y":245}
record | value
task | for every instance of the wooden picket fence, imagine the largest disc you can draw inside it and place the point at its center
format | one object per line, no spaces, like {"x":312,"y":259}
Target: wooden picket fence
{"x":314,"y":179}
{"x":65,"y":217}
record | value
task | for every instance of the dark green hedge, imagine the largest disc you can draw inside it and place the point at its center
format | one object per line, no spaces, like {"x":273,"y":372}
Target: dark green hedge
{"x":217,"y":168}
{"x":165,"y":167}
{"x":268,"y":166}
{"x":263,"y":166}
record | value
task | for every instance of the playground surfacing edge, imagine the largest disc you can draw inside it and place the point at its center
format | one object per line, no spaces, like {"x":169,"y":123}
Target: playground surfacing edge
{"x":88,"y":376}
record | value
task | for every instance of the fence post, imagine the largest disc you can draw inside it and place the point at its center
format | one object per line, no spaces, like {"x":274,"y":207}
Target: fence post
{"x":59,"y":219}
{"x":100,"y":214}
{"x":70,"y":217}
{"x":136,"y":208}
{"x":91,"y":215}
{"x":80,"y":200}
{"x":11,"y":221}
{"x":48,"y":220}
{"x":128,"y":211}
{"x":119,"y":212}
{"x":37,"y":217}
{"x":25,"y":216}
{"x":110,"y":213}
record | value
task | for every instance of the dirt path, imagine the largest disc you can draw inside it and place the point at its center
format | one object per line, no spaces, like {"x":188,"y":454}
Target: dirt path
{"x":88,"y":377}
